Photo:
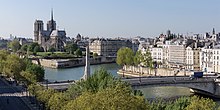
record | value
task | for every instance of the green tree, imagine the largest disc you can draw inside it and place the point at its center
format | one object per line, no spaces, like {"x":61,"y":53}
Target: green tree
{"x":34,"y":88}
{"x":78,"y":52}
{"x":199,"y":103}
{"x":3,"y":58}
{"x":138,"y":58}
{"x":108,"y":99}
{"x":32,"y":46}
{"x":158,"y":104}
{"x":95,"y":55}
{"x":28,"y":77}
{"x":147,"y":60}
{"x":125,"y":56}
{"x":100,"y":80}
{"x":57,"y":101}
{"x":179,"y":104}
{"x":13,"y":66}
{"x":14,"y":45}
{"x":24,"y":48}
{"x":37,"y":49}
{"x":72,"y":47}
{"x":45,"y":95}
{"x":52,"y":50}
{"x":3,"y":44}
{"x":37,"y":70}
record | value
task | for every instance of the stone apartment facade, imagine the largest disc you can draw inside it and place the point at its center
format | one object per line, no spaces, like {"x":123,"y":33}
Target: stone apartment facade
{"x":193,"y":56}
{"x":108,"y":47}
{"x":176,"y":55}
{"x":157,"y":54}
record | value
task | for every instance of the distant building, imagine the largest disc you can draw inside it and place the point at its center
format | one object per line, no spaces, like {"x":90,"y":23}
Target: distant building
{"x":193,"y":56}
{"x":216,"y":59}
{"x":50,"y":38}
{"x":168,"y":33}
{"x":206,"y":58}
{"x":108,"y":47}
{"x":23,"y":41}
{"x":157,"y":54}
{"x":176,"y":55}
{"x":3,"y":43}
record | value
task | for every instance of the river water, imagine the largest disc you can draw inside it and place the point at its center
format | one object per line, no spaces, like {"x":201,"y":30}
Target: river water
{"x":77,"y":73}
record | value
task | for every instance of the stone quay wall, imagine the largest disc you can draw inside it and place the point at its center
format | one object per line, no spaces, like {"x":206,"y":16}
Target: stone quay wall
{"x":67,"y":63}
{"x":144,"y":71}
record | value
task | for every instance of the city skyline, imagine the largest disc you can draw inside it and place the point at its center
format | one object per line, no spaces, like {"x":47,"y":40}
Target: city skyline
{"x":125,"y":18}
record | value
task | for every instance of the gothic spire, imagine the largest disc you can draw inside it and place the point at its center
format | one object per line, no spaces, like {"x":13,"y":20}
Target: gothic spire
{"x":53,"y":25}
{"x":52,"y":14}
{"x":213,"y":31}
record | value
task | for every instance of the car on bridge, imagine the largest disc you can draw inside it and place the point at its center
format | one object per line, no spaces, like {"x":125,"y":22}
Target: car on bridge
{"x":196,"y":74}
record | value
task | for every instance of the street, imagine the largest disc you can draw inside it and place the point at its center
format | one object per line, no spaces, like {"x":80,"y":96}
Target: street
{"x":10,"y":98}
{"x":166,"y":79}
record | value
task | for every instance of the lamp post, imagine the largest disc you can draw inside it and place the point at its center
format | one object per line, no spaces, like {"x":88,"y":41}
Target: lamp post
{"x":123,"y":70}
{"x":46,"y":81}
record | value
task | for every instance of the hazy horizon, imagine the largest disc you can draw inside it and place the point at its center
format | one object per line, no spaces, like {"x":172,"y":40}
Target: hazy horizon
{"x":102,"y":18}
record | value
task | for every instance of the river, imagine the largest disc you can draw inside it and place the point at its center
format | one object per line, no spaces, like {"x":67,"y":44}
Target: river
{"x":77,"y":73}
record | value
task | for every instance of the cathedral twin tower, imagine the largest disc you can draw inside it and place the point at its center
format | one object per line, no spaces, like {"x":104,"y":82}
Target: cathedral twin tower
{"x":50,"y":38}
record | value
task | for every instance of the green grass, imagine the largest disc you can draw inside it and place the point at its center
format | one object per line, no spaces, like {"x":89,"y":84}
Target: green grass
{"x":49,"y":53}
{"x":56,"y":55}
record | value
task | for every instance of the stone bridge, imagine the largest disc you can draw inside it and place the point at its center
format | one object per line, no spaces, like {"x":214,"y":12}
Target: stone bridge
{"x":208,"y":85}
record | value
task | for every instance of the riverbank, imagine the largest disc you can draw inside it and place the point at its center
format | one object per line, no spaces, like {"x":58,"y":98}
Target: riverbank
{"x":69,"y":63}
{"x":138,"y":71}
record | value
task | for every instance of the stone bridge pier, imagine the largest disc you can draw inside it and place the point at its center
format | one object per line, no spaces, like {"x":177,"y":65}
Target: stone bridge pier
{"x":206,"y":88}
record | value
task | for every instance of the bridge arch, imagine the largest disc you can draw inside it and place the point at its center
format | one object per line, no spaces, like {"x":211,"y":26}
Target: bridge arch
{"x":203,"y":87}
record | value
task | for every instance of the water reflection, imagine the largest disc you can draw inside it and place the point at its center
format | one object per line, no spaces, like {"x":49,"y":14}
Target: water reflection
{"x":77,"y":72}
{"x":165,"y":92}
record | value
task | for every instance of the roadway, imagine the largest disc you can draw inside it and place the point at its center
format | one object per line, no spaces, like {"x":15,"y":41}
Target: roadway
{"x":10,"y":98}
{"x":164,"y":79}
{"x":139,"y":80}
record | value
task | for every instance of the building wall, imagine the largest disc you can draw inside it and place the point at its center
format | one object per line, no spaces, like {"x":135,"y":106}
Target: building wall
{"x":196,"y":59}
{"x":216,"y":60}
{"x":189,"y":58}
{"x":38,"y":26}
{"x":176,"y":54}
{"x":108,"y":47}
{"x":206,"y":59}
{"x":157,"y":54}
{"x":193,"y":58}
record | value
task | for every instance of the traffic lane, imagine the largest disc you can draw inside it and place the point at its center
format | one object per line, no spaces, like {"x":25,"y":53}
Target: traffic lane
{"x":15,"y":103}
{"x":6,"y":90}
{"x":12,"y":103}
{"x":166,"y":80}
{"x":163,"y":78}
{"x":2,"y":83}
{"x":157,"y":78}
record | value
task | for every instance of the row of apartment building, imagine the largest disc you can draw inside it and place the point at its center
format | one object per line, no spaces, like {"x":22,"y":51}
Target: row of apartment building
{"x":187,"y":54}
{"x":109,"y":47}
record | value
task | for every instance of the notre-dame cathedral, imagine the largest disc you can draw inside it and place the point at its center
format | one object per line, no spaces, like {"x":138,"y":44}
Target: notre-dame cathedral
{"x":50,"y":38}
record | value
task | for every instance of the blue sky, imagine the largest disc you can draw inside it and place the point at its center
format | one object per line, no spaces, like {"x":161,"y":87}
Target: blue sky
{"x":111,"y":18}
